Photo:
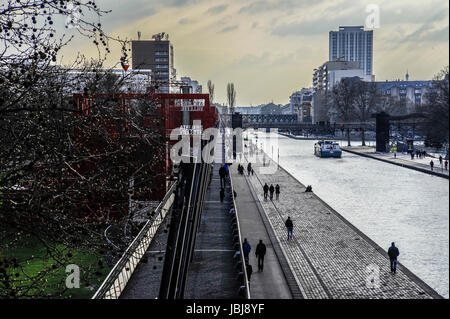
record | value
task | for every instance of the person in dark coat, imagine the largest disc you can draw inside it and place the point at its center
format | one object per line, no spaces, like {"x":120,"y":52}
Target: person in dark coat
{"x":249,"y":271}
{"x":271,"y":190}
{"x":260,"y":252}
{"x":222,"y":194}
{"x":277,"y":191}
{"x":249,"y":168}
{"x":246,"y":249}
{"x":393,"y":253}
{"x":290,"y":227}
{"x":222,"y":174}
{"x":431,"y":164}
{"x":266,"y":190}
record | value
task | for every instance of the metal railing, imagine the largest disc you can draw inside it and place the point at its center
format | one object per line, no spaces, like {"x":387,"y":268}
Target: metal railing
{"x":183,"y":230}
{"x":118,"y":277}
{"x":242,"y":257}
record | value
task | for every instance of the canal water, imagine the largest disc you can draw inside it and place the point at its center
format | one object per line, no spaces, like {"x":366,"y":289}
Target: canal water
{"x":386,"y":202}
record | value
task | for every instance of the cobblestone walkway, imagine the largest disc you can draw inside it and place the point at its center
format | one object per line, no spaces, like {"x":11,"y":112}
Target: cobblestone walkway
{"x":329,"y":257}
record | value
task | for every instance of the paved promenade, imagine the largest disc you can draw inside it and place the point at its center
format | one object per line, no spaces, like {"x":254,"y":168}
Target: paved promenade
{"x":272,"y":283}
{"x":422,"y":165}
{"x":212,"y":273}
{"x":146,"y":279}
{"x":329,"y":257}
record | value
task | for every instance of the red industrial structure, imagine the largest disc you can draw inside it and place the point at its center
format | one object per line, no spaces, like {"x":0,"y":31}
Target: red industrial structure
{"x":170,"y":111}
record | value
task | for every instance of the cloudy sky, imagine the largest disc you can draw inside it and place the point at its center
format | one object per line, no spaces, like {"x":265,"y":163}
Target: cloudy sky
{"x":269,"y":48}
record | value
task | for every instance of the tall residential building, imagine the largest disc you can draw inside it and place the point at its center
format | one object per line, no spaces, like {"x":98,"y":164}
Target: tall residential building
{"x":331,"y":72}
{"x":352,"y":43}
{"x":156,"y":55}
{"x":325,"y":77}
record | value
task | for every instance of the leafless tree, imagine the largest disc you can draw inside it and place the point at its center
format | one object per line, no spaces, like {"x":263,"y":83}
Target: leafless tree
{"x":342,"y":102}
{"x":436,"y":108}
{"x":366,"y":101}
{"x":64,"y":170}
{"x":231,"y":96}
{"x":392,"y":105}
{"x":211,"y":91}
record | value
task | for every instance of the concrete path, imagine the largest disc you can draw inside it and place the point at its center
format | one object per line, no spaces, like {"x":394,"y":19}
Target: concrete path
{"x":421,"y":165}
{"x":212,"y":273}
{"x":146,"y":279}
{"x":330,"y":257}
{"x":272,"y":282}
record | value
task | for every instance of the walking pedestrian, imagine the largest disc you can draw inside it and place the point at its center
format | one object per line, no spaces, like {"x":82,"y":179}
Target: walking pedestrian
{"x":222,"y":194}
{"x":440,"y":159}
{"x":290,"y":227}
{"x":253,"y":171}
{"x":446,"y":164}
{"x":260,"y":252}
{"x":271,"y":190}
{"x":431,"y":164}
{"x":393,"y":253}
{"x":246,"y":247}
{"x":249,"y":271}
{"x":222,"y":174}
{"x":277,"y":192}
{"x":249,"y":168}
{"x":227,"y":169}
{"x":266,"y":190}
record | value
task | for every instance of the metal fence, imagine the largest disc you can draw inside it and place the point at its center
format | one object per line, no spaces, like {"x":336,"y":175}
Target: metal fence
{"x":118,"y":277}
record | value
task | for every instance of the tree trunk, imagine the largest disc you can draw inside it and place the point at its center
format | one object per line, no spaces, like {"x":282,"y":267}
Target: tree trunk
{"x":363,"y":136}
{"x":348,"y":137}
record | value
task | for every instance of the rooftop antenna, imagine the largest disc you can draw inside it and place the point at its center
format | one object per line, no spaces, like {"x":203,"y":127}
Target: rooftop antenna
{"x":139,"y":35}
{"x":158,"y":36}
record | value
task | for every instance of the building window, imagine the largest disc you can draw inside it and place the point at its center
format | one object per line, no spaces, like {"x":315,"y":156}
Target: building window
{"x":161,"y":66}
{"x":161,"y":59}
{"x":161,"y":53}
